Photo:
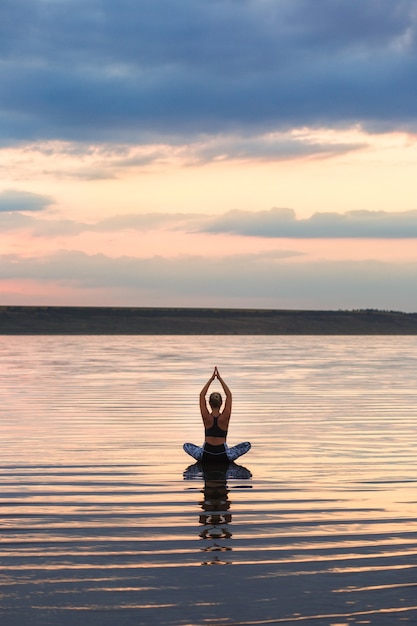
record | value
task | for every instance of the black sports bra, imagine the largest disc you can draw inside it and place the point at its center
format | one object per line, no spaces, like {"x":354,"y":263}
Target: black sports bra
{"x":215,"y":430}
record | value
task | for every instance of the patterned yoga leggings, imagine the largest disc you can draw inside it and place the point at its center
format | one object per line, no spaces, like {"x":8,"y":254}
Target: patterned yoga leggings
{"x":214,"y":454}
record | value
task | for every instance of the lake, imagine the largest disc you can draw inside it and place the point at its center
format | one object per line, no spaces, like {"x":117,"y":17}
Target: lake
{"x":104,"y":519}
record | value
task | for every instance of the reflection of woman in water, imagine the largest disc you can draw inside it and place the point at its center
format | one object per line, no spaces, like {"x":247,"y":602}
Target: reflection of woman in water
{"x":216,"y":423}
{"x":216,"y":516}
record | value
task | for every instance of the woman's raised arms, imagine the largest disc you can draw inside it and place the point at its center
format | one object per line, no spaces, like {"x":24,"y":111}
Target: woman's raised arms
{"x":203,"y":393}
{"x":227,"y":410}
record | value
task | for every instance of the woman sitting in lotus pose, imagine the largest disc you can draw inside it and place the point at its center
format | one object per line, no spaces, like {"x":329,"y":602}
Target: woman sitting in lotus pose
{"x":216,"y":423}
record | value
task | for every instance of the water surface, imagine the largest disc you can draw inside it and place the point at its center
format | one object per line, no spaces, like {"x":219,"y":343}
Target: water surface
{"x":104,"y":520}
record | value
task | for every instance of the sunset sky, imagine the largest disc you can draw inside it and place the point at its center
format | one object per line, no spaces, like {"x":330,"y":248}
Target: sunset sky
{"x":225,"y":153}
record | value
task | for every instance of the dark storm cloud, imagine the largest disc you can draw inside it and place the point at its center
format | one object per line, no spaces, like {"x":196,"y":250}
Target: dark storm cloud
{"x":137,"y":70}
{"x":284,"y":223}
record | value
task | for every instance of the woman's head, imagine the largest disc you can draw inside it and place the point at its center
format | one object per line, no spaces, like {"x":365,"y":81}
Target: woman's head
{"x":215,"y":400}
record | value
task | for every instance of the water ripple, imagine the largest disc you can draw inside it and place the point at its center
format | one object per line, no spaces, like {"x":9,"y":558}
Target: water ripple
{"x":101,"y":516}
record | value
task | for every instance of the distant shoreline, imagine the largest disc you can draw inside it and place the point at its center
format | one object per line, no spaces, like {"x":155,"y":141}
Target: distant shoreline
{"x":65,"y":320}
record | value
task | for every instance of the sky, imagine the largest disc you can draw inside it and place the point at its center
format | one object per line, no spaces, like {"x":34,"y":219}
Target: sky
{"x":231,"y":153}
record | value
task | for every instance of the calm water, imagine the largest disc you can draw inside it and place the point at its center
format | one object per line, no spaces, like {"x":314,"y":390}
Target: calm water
{"x":102,"y":520}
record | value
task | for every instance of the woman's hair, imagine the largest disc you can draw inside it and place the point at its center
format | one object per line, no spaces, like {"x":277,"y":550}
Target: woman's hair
{"x":215,"y":400}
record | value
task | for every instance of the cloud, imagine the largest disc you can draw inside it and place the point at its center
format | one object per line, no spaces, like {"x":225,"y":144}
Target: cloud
{"x":135,"y":222}
{"x":13,"y":200}
{"x":270,"y":146}
{"x":254,"y":279}
{"x":281,"y":222}
{"x":146,"y":221}
{"x":109,"y":161}
{"x":139,"y":71}
{"x":274,"y":223}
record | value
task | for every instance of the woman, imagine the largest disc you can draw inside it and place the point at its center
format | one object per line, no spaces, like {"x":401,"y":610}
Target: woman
{"x":216,"y":423}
